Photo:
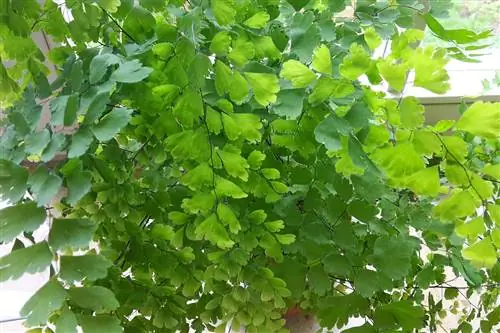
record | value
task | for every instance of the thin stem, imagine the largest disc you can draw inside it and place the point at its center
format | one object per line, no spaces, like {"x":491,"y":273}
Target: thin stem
{"x":118,"y":25}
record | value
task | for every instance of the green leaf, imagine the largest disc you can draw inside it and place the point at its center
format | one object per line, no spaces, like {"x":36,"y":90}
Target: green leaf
{"x":372,"y":39}
{"x":399,"y":314}
{"x":224,"y":11}
{"x":95,"y":298}
{"x":298,"y":4}
{"x":99,"y":66}
{"x":265,"y":87}
{"x":258,"y":20}
{"x":100,"y":323}
{"x":322,"y":60}
{"x":66,"y":322}
{"x":56,"y":145}
{"x":319,"y":281}
{"x":29,"y":260}
{"x":365,"y":283}
{"x":459,"y":36}
{"x":356,"y":63}
{"x":44,"y":185}
{"x":481,"y":119}
{"x":304,"y":35}
{"x":391,"y":256}
{"x":80,"y":143}
{"x":255,"y":159}
{"x":23,"y":217}
{"x":13,"y":179}
{"x":78,"y":183}
{"x":35,"y":143}
{"x":75,"y":233}
{"x":47,"y":299}
{"x":481,"y":253}
{"x":328,"y":132}
{"x":89,"y":267}
{"x":297,"y":73}
{"x":131,"y":72}
{"x":289,"y":103}
{"x":111,"y":124}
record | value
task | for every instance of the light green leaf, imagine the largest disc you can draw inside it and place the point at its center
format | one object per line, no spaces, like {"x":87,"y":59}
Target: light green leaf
{"x":40,"y":306}
{"x":238,"y":90}
{"x":258,"y":20}
{"x":372,"y":38}
{"x":460,"y":203}
{"x":285,"y":239}
{"x":481,"y":119}
{"x":394,"y":73}
{"x":322,"y":60}
{"x":188,"y":108}
{"x":228,"y":217}
{"x":131,"y":72}
{"x":234,"y":164}
{"x":89,"y":267}
{"x":95,"y":298}
{"x":425,"y":181}
{"x":75,"y":233}
{"x":224,"y":11}
{"x":100,"y":64}
{"x":213,"y":231}
{"x":492,"y":170}
{"x":221,"y":43}
{"x":412,"y":113}
{"x":356,"y":63}
{"x":214,"y":121}
{"x":80,"y":143}
{"x":100,"y":323}
{"x":471,"y":229}
{"x":430,"y":71}
{"x":110,"y":5}
{"x":300,"y":75}
{"x":30,"y":260}
{"x":265,"y":87}
{"x":23,"y":217}
{"x":226,"y":188}
{"x":481,"y":253}
{"x":66,"y":322}
{"x":111,"y":124}
{"x":223,"y":77}
{"x":255,"y":159}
